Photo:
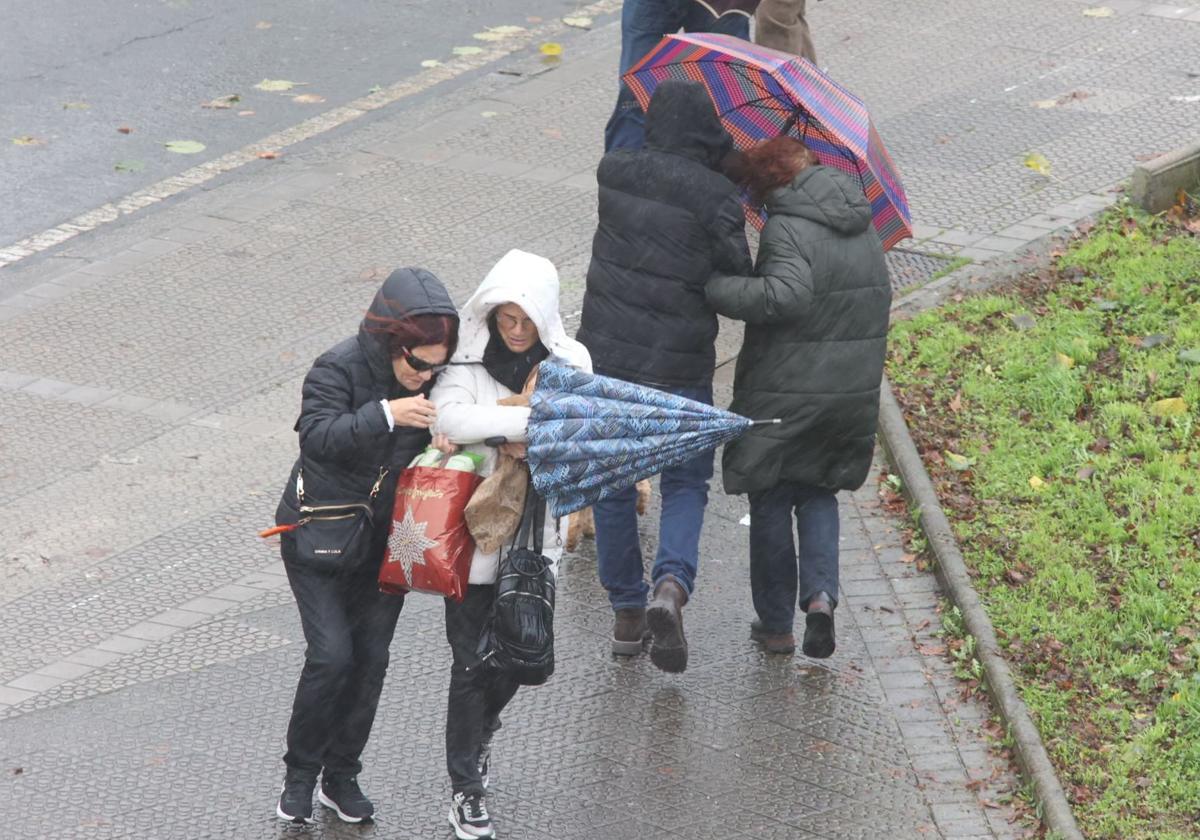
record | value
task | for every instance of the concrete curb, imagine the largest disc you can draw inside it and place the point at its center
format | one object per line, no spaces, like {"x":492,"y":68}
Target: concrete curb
{"x":951,"y":571}
{"x":1155,"y":183}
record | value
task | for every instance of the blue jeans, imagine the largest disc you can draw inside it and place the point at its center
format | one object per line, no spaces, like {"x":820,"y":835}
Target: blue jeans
{"x":777,"y":575}
{"x":643,"y":25}
{"x":684,"y":491}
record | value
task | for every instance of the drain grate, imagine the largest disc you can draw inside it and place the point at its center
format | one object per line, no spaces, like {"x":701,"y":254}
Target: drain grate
{"x":912,"y":268}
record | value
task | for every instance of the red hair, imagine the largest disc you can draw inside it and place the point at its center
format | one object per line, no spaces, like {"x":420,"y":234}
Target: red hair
{"x":773,"y":164}
{"x":416,"y":331}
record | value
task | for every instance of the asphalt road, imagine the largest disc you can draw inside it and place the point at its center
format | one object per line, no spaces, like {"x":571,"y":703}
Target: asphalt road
{"x":73,"y":74}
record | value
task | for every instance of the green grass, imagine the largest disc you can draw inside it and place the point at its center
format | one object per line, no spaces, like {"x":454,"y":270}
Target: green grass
{"x":1080,"y":508}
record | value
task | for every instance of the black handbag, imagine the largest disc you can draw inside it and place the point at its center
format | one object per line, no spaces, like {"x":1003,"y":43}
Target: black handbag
{"x":518,"y":638}
{"x":333,"y":536}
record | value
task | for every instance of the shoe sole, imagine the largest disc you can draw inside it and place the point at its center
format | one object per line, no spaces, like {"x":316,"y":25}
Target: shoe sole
{"x":625,"y":648}
{"x":818,"y":636}
{"x":465,"y":833}
{"x":290,"y":819}
{"x":330,"y":804}
{"x":672,"y":658}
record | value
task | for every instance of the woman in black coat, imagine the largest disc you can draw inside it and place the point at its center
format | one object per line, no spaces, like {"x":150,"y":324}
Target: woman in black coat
{"x":816,"y":312}
{"x":364,"y":415}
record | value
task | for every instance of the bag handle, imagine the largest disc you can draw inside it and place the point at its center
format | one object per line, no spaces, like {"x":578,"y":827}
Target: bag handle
{"x":533,"y":521}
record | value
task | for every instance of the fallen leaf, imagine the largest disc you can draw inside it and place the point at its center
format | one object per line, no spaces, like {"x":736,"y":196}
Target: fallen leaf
{"x":1045,"y":103}
{"x":907,"y":558}
{"x":1155,"y":340}
{"x":507,"y":30}
{"x":956,"y":461}
{"x":533,"y":19}
{"x":488,"y":36}
{"x":308,"y":99}
{"x":431,"y":62}
{"x":275,"y":85}
{"x":487,"y":114}
{"x":28,"y":140}
{"x":263,"y":24}
{"x":1085,"y":473}
{"x":17,"y":771}
{"x":1015,"y":578}
{"x":245,"y":113}
{"x":1038,"y":163}
{"x":1036,"y":483}
{"x":129,"y":166}
{"x":955,"y":403}
{"x":1098,"y":12}
{"x":1191,"y":356}
{"x":578,"y":22}
{"x":1170,"y":407}
{"x":1063,"y":360}
{"x":931,"y":650}
{"x":551,"y":49}
{"x":124,"y":129}
{"x":223,"y":102}
{"x":184,"y":147}
{"x":467,"y":50}
{"x":1023,"y":321}
{"x":375,"y":89}
{"x":75,"y":106}
{"x":924,"y":623}
{"x":268,"y":155}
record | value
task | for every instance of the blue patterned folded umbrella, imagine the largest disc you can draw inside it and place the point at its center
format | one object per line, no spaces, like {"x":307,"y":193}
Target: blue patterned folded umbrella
{"x":591,"y":436}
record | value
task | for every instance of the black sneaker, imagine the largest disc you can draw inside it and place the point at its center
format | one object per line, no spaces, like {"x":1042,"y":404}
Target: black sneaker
{"x":295,"y":800}
{"x":469,"y":817}
{"x":343,"y":795}
{"x":485,"y":755}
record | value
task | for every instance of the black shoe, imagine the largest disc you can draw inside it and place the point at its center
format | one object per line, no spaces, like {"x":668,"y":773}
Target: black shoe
{"x":772,"y":642}
{"x":629,"y":632}
{"x":664,"y":614}
{"x":485,"y":756}
{"x":295,"y":800}
{"x":469,"y":817}
{"x":819,"y":641}
{"x":343,"y":795}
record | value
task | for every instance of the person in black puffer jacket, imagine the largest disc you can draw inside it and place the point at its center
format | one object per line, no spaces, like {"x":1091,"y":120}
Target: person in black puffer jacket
{"x":668,"y":220}
{"x":816,"y":312}
{"x":364,"y":409}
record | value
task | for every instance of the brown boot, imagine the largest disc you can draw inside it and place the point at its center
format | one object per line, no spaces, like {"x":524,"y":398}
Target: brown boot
{"x":629,"y":631}
{"x":819,"y":640}
{"x":668,"y":647}
{"x":772,"y":642}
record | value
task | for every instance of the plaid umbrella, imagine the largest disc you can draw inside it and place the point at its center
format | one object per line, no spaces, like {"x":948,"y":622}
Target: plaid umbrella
{"x":590,"y":436}
{"x":761,"y":93}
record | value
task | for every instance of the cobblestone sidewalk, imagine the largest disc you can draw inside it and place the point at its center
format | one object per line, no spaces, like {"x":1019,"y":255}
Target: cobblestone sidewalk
{"x":149,"y":376}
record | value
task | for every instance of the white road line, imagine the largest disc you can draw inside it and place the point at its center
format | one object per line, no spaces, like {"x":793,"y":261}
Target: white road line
{"x":168,"y":187}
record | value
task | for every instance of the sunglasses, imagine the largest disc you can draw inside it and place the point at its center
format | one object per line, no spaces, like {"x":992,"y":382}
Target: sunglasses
{"x":420,"y":365}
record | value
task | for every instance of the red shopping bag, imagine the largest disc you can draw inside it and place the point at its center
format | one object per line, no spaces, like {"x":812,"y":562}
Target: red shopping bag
{"x":429,"y":547}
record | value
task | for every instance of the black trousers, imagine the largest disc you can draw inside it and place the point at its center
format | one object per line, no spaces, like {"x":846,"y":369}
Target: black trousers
{"x":476,"y":697}
{"x":348,"y":624}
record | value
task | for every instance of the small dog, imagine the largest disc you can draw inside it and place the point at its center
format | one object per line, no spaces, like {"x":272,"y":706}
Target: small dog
{"x":581,"y":523}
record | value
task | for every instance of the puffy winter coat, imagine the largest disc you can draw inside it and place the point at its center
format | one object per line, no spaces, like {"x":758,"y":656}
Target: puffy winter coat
{"x":344,"y":437}
{"x":667,"y":220}
{"x":816,"y":316}
{"x":466,"y":394}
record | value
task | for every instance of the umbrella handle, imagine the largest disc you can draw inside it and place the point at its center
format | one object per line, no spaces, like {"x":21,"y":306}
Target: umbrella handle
{"x":498,"y":440}
{"x":773,"y":422}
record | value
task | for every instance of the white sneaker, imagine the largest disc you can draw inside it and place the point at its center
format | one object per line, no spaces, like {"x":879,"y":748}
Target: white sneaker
{"x":469,"y":817}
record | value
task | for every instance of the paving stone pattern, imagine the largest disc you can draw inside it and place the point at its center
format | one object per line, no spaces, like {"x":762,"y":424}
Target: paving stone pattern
{"x":149,"y":377}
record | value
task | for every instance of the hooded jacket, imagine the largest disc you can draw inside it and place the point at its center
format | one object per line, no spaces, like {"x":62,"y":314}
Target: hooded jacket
{"x":668,"y":219}
{"x":344,"y":437}
{"x":816,"y":316}
{"x":466,"y":394}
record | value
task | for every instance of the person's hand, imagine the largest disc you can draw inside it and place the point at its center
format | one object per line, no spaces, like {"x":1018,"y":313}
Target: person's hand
{"x":514,"y":450}
{"x":417,"y":412}
{"x":442,"y":443}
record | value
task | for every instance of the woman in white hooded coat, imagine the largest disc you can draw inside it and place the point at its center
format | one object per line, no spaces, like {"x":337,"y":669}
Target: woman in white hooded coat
{"x":509,"y":325}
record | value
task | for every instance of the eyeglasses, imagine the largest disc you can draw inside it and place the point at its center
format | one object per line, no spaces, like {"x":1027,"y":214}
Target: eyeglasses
{"x":419,"y":364}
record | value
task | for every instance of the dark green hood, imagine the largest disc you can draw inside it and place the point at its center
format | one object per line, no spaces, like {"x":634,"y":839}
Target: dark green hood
{"x":826,"y":196}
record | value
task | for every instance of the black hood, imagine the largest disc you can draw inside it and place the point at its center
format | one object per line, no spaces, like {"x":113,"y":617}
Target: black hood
{"x":681,"y":120}
{"x":406,"y":292}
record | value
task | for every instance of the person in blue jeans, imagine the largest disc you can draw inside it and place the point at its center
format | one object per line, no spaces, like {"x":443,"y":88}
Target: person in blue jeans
{"x":668,"y":220}
{"x":816,"y":309}
{"x":643,"y":25}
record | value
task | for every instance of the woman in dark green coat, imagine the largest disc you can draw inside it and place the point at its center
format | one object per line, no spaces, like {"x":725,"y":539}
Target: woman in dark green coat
{"x":816,"y":313}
